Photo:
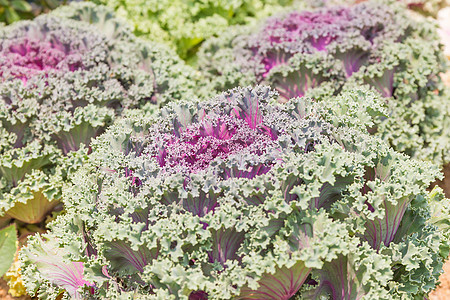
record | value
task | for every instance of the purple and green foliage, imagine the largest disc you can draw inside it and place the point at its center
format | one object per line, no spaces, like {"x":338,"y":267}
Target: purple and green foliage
{"x":64,"y":77}
{"x":321,"y":52}
{"x":241,"y":197}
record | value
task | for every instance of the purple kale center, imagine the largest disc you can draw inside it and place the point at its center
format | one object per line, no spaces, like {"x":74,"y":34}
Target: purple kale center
{"x":28,"y":57}
{"x":298,"y":31}
{"x":211,"y":138}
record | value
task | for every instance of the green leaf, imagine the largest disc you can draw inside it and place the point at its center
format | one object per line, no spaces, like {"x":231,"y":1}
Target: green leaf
{"x":20,"y":5}
{"x":8,"y":238}
{"x":11,"y":15}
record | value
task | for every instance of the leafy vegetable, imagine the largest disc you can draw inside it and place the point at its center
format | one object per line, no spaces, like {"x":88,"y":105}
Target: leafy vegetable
{"x":242,"y":197}
{"x":321,"y":52}
{"x":62,"y":82}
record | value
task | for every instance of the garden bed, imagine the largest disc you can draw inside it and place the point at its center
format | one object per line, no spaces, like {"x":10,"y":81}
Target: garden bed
{"x":281,"y":158}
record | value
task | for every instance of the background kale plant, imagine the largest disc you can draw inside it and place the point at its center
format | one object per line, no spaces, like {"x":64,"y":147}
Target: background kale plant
{"x":64,"y":77}
{"x":319,"y":53}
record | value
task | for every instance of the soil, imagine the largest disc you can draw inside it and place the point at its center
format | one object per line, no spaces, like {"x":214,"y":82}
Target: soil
{"x":445,"y":183}
{"x":442,"y":292}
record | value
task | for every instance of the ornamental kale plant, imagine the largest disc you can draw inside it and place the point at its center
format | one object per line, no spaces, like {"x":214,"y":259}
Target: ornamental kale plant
{"x":62,"y":82}
{"x":321,"y":52}
{"x":423,"y":7}
{"x":185,"y":24}
{"x":241,"y":197}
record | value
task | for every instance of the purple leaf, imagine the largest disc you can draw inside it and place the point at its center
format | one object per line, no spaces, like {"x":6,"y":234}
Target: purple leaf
{"x":225,"y":244}
{"x":126,"y":260}
{"x":198,"y":295}
{"x":353,"y":60}
{"x":382,"y":230}
{"x":383,"y":84}
{"x":282,"y":285}
{"x":296,"y":83}
{"x":274,"y":58}
{"x":50,"y":263}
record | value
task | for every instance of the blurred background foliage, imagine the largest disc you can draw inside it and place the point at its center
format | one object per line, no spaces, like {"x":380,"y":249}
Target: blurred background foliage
{"x":15,"y":10}
{"x":184,"y":24}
